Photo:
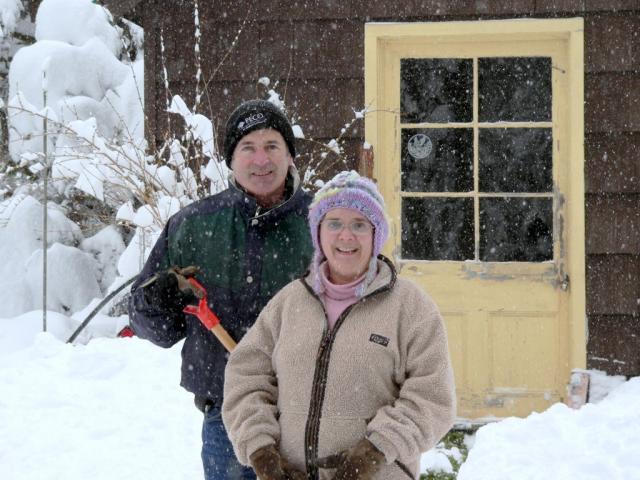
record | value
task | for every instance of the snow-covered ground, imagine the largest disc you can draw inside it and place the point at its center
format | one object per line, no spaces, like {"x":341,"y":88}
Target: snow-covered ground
{"x":112,"y":409}
{"x":600,"y":441}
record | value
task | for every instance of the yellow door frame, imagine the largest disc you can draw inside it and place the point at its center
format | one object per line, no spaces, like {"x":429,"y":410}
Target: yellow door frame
{"x":385,"y":44}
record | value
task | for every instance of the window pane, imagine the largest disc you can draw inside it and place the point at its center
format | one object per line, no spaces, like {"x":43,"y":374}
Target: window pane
{"x":514,"y":89}
{"x":437,"y":228}
{"x":516,"y":229}
{"x":436,"y":90}
{"x":437,"y":160}
{"x":516,"y":160}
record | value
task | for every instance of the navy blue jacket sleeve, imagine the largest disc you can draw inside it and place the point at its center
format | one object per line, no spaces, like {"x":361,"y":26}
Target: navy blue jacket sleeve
{"x":148,"y":321}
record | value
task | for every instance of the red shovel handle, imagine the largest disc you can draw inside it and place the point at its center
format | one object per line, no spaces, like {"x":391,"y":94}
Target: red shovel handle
{"x":209,"y":319}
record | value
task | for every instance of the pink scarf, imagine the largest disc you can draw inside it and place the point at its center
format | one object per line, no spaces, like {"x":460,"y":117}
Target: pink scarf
{"x":337,"y":298}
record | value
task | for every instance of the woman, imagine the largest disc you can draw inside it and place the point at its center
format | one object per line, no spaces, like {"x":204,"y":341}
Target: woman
{"x":346,"y":373}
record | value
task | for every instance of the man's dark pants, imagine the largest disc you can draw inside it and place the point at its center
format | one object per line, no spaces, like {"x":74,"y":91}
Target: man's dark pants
{"x":218,"y":459}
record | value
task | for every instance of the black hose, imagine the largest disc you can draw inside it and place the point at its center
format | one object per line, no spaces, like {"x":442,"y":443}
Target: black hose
{"x":99,"y":307}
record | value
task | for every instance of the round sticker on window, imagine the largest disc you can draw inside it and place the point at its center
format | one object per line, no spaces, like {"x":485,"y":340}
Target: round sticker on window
{"x":419,"y":146}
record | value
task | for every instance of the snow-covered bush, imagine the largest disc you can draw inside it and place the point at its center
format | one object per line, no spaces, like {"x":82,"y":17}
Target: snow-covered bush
{"x":76,"y":266}
{"x":76,"y":94}
{"x":94,"y":118}
{"x":78,"y":37}
{"x":9,"y":15}
{"x":76,"y":118}
{"x":77,"y":83}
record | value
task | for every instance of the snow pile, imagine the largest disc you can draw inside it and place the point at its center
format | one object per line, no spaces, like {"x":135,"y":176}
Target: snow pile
{"x":78,"y":269}
{"x":599,"y":441}
{"x":438,"y":459}
{"x":20,"y":333}
{"x":110,"y":409}
{"x":600,"y":384}
{"x":106,"y":246}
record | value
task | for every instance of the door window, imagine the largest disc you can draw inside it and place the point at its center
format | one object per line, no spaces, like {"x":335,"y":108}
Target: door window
{"x":476,"y":159}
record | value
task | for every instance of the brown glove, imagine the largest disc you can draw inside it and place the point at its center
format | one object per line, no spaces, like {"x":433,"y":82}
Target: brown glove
{"x":269,"y":465}
{"x":360,"y":462}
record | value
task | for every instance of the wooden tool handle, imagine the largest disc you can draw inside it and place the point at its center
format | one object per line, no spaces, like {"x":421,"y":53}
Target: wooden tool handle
{"x":225,"y":339}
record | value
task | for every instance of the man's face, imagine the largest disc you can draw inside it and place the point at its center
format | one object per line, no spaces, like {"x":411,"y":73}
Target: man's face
{"x":260,"y":163}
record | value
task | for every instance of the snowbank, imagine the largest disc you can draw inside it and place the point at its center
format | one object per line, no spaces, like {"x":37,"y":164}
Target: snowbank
{"x":20,"y":333}
{"x":78,"y":269}
{"x":111,"y":409}
{"x":597,"y":442}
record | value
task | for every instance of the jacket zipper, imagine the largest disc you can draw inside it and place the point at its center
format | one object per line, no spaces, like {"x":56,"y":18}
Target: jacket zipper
{"x":317,"y":390}
{"x":312,"y":428}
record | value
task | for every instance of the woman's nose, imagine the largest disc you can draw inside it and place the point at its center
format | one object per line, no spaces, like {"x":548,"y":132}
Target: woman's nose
{"x":346,"y":232}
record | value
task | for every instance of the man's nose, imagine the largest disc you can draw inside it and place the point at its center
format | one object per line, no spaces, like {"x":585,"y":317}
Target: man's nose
{"x":260,"y":157}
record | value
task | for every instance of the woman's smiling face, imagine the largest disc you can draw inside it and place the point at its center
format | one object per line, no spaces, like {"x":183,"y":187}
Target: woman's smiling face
{"x":346,"y":238}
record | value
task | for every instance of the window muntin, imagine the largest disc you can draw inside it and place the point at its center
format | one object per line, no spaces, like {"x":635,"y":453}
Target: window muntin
{"x":476,"y":159}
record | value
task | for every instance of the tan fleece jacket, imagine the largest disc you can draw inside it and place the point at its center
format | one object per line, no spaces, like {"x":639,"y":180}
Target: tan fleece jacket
{"x":383,"y":371}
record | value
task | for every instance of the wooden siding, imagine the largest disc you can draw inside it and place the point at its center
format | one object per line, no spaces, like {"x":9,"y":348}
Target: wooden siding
{"x":614,"y":343}
{"x":314,"y":49}
{"x":612,"y":162}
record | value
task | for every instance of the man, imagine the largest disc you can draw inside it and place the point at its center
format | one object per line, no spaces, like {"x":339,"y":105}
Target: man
{"x":248,"y":241}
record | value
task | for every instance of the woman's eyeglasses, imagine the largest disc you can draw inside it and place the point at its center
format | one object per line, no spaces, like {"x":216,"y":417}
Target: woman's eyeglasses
{"x":357,"y":227}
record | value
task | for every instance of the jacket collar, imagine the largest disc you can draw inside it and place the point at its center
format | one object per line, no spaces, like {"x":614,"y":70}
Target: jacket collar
{"x":250,"y":207}
{"x":385,"y":279}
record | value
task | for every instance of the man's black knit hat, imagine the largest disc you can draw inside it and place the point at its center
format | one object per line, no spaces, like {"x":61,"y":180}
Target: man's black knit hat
{"x":255,"y":115}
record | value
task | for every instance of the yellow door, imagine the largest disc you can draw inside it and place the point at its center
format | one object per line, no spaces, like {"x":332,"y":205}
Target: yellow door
{"x":477,"y":131}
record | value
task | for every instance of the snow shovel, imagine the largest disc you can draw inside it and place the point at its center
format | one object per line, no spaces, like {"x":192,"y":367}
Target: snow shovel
{"x":209,"y":319}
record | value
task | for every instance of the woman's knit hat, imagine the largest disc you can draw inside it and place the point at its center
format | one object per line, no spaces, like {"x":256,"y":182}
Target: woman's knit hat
{"x":348,"y":190}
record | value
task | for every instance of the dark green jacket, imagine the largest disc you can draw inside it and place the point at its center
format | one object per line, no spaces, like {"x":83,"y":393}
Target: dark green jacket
{"x":245,"y":257}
